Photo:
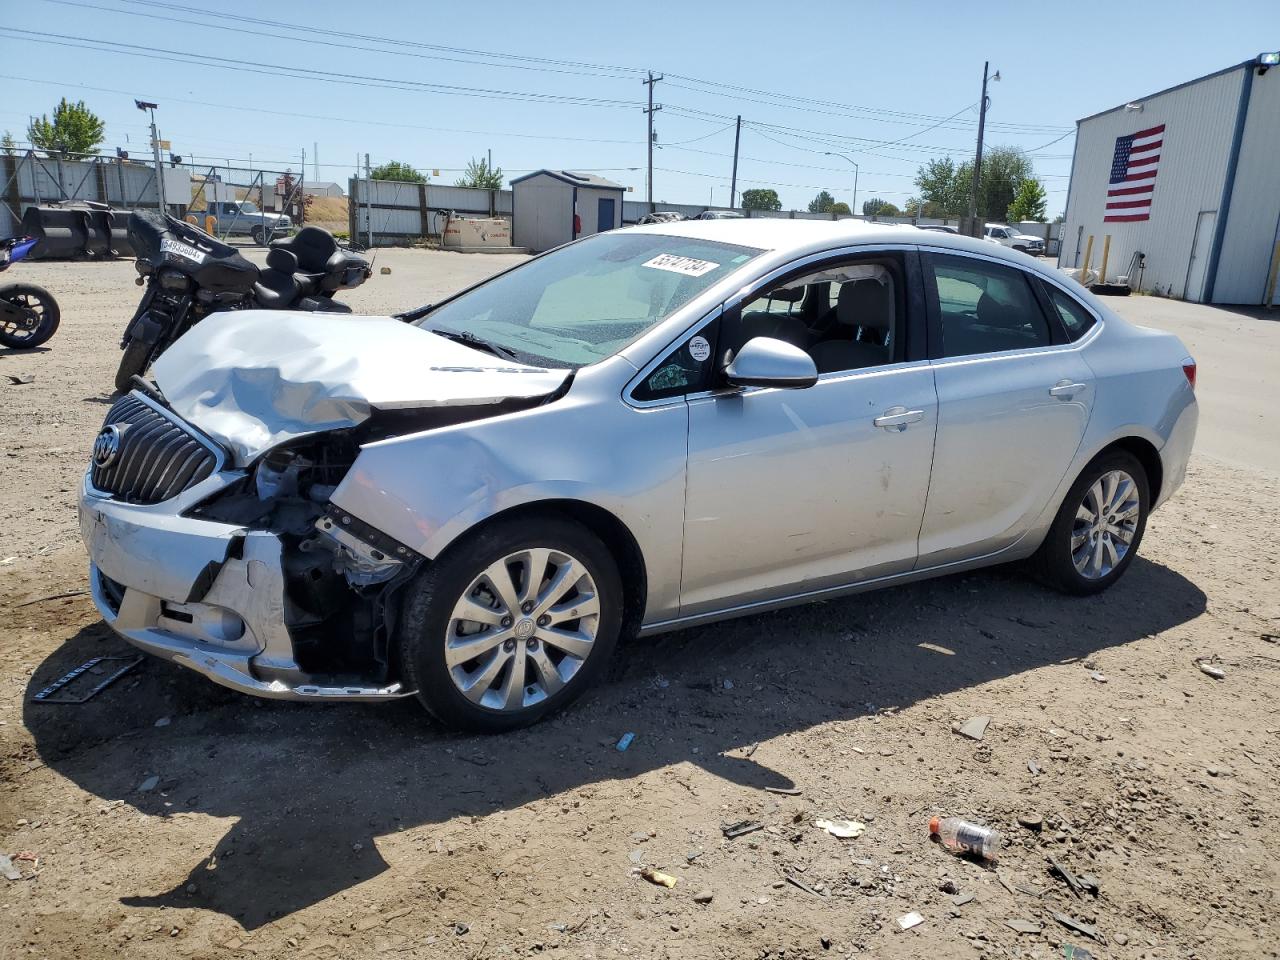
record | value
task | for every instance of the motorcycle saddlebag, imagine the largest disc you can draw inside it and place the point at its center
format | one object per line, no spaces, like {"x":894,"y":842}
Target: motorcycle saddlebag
{"x":344,"y":271}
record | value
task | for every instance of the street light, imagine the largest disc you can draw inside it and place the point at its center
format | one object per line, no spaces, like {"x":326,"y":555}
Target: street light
{"x":829,"y":153}
{"x":150,"y":108}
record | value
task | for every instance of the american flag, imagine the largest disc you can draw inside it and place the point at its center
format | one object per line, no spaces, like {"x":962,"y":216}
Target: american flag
{"x":1133,"y":176}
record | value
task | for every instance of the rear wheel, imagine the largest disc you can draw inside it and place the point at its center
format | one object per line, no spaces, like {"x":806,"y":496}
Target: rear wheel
{"x":37,"y":316}
{"x":511,"y":624}
{"x":136,"y":359}
{"x":1096,"y":533}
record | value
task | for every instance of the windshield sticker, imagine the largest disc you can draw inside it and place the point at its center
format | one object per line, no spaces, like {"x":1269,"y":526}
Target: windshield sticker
{"x":685,"y":265}
{"x":699,"y":349}
{"x":179,"y":249}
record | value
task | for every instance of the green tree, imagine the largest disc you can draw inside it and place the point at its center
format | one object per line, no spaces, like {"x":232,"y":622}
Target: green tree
{"x":1029,"y":203}
{"x":74,"y":129}
{"x":761,"y":200}
{"x":395,"y":170}
{"x":875,"y":207}
{"x":945,"y":185}
{"x":8,"y":145}
{"x":480,"y":177}
{"x":840,"y":207}
{"x":822,"y":203}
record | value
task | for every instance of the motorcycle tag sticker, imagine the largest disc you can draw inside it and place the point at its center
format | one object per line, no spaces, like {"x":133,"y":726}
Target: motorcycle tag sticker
{"x":180,"y":249}
{"x":685,"y":265}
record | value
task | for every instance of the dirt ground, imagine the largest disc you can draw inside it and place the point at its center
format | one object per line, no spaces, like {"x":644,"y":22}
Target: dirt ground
{"x":168,"y":817}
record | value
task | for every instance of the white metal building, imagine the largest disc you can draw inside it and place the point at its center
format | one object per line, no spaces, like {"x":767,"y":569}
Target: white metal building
{"x":1189,"y":177}
{"x":551,"y":207}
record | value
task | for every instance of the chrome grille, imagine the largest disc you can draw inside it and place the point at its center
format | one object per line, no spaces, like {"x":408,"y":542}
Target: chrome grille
{"x":157,"y":457}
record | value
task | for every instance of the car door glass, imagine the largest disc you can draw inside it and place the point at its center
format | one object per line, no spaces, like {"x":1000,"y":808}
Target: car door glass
{"x":1075,"y":318}
{"x":986,"y":307}
{"x":685,"y":369}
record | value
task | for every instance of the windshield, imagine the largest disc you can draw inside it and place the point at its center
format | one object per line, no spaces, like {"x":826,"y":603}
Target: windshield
{"x":588,"y":300}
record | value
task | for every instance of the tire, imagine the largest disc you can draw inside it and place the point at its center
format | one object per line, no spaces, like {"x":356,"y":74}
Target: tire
{"x":136,"y":359}
{"x":1055,"y":562}
{"x":259,"y":236}
{"x":429,"y":628}
{"x":33,"y":298}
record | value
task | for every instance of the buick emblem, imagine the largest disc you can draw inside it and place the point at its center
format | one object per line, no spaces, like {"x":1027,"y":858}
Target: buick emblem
{"x":107,"y":446}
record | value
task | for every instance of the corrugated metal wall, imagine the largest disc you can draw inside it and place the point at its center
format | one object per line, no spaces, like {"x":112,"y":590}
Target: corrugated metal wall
{"x":398,"y":207}
{"x":1199,"y":124}
{"x":1254,"y":217}
{"x":30,"y":180}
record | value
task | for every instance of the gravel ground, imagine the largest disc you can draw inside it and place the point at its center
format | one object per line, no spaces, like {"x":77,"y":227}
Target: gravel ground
{"x":168,"y":817}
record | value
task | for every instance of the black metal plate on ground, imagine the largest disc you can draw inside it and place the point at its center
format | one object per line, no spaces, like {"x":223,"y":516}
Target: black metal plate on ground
{"x":87,"y":680}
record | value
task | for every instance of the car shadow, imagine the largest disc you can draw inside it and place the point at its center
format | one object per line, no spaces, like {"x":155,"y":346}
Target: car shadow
{"x":22,"y":351}
{"x":313,"y":785}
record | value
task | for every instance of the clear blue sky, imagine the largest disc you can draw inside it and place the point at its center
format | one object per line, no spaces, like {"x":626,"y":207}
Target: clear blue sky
{"x":886,"y":71}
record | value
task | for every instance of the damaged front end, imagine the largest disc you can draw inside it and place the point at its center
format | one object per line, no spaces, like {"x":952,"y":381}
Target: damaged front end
{"x":249,"y":574}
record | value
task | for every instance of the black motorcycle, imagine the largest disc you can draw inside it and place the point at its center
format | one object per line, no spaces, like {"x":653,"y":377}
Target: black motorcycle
{"x":189,"y":275}
{"x":28,"y":314}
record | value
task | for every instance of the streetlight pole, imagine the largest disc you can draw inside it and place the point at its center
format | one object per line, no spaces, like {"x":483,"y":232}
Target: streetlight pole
{"x":150,"y":108}
{"x":855,"y":177}
{"x":977,"y":157}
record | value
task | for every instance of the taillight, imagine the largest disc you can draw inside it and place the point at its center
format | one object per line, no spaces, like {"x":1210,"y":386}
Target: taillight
{"x":1189,"y":370}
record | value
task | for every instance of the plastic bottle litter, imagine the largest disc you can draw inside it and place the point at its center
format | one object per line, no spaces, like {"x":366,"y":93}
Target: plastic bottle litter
{"x":962,"y":837}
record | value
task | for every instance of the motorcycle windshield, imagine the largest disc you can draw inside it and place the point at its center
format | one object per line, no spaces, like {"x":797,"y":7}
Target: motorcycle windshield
{"x":167,"y":242}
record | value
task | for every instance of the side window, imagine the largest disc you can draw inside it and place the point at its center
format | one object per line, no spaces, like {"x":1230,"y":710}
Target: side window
{"x":1075,"y":318}
{"x":985,"y":307}
{"x":685,"y":369}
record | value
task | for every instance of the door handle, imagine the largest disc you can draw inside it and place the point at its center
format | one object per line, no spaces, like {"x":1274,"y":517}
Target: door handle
{"x":1065,"y":389}
{"x":897,"y":418}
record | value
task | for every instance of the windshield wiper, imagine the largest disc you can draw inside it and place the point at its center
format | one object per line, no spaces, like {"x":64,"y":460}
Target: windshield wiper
{"x":477,"y":343}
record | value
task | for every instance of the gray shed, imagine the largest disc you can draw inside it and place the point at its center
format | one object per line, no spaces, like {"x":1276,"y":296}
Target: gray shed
{"x":551,"y":207}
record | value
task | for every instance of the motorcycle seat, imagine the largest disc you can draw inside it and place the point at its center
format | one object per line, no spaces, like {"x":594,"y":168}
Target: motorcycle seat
{"x":312,"y":246}
{"x":277,"y":287}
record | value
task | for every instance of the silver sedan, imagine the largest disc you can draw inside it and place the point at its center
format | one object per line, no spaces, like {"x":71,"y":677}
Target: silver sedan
{"x":641,"y":431}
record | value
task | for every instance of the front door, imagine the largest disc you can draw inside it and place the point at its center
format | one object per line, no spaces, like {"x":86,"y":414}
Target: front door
{"x":604,"y":214}
{"x":794,"y":491}
{"x":1199,"y":263}
{"x":1013,"y":404}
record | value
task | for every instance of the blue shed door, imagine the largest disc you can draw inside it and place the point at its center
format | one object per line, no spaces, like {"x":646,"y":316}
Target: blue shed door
{"x":604,"y":215}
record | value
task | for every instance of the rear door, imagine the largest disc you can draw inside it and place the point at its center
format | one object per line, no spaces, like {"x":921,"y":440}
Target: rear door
{"x":1014,"y":398}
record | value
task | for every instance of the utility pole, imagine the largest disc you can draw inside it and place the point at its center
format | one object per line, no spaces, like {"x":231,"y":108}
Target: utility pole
{"x":150,"y":108}
{"x":489,"y":163}
{"x":733,"y":182}
{"x":315,"y":160}
{"x":977,"y":157}
{"x":368,"y":201}
{"x":650,"y":111}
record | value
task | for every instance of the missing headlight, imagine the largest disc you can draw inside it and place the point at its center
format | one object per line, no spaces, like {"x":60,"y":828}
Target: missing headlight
{"x":364,"y":555}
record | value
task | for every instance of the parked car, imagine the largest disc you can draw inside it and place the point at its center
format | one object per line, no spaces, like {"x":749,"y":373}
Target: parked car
{"x":1008,"y":237}
{"x":719,"y":215}
{"x":242,"y":218}
{"x":661,"y":216}
{"x":640,"y":431}
{"x":938,"y":228}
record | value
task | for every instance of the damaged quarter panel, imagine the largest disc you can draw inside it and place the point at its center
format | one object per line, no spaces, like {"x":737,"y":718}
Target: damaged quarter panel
{"x":255,"y":379}
{"x":427,"y":489}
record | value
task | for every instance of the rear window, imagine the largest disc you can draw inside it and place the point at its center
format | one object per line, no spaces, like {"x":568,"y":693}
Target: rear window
{"x":1076,"y":320}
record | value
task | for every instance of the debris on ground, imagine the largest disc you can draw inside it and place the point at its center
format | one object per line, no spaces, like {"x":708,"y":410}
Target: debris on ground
{"x":784,"y":791}
{"x":801,"y":885}
{"x":909,"y":920}
{"x":1032,"y":821}
{"x":8,"y":870}
{"x":659,"y":878}
{"x":1074,"y":884}
{"x":844,"y":829}
{"x":1019,"y":925}
{"x":1079,"y":926}
{"x":1209,"y":670}
{"x":625,"y":742}
{"x":18,"y":379}
{"x":1034,"y":768}
{"x":149,"y":784}
{"x":1072,"y":952}
{"x":962,"y":837}
{"x":1100,"y":677}
{"x":703,"y":896}
{"x":974,"y":728}
{"x":741,"y":828}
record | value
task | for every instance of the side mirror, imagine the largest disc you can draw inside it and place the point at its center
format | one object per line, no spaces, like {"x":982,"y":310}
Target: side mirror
{"x":766,"y":362}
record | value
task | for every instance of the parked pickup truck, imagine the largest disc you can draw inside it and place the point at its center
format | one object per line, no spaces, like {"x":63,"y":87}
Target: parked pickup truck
{"x":1009,"y":237}
{"x":243,"y":218}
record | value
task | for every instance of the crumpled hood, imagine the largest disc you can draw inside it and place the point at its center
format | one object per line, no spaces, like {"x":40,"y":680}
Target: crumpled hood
{"x":253,"y":379}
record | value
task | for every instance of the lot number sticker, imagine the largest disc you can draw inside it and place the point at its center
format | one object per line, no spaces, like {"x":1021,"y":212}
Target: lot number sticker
{"x":699,"y":349}
{"x":685,"y":265}
{"x":180,"y":249}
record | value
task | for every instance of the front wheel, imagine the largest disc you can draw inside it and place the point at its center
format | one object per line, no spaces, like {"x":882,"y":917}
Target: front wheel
{"x":511,"y":624}
{"x":28,"y":315}
{"x":136,"y":359}
{"x":1096,"y":533}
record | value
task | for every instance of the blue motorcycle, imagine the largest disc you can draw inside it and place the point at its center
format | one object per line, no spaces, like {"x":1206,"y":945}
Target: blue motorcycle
{"x":28,"y":314}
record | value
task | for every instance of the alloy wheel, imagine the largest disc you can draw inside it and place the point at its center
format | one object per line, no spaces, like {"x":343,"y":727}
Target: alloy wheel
{"x":522,"y":629}
{"x":33,"y":315}
{"x":1105,"y":524}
